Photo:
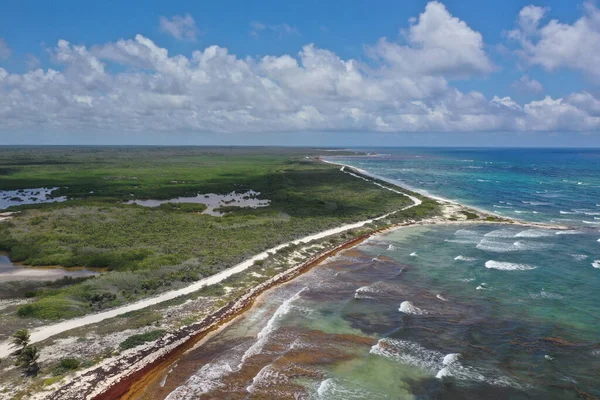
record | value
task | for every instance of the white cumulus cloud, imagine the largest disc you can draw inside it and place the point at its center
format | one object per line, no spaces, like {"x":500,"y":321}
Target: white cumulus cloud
{"x":556,"y":44}
{"x":135,"y":85}
{"x":437,"y":43}
{"x":180,"y":27}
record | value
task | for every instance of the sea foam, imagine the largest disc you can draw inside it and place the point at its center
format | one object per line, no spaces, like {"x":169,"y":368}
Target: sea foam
{"x":408,"y":308}
{"x":466,"y":232}
{"x":498,"y":246}
{"x":270,"y":327}
{"x":508,"y":266}
{"x":596,"y":264}
{"x":534,"y":233}
{"x":436,"y":363}
{"x":463,"y":258}
{"x":365,"y":292}
{"x":501,"y":233}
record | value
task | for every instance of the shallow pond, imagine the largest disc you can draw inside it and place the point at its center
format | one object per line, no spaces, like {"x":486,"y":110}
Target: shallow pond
{"x":212,"y":201}
{"x":18,"y":197}
{"x":10,"y":271}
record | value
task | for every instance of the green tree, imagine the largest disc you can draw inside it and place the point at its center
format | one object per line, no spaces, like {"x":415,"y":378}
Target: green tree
{"x":27,"y":360}
{"x":20,"y":339}
{"x":26,"y":355}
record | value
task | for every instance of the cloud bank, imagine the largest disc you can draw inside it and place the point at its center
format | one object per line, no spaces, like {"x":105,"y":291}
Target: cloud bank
{"x":403,"y":86}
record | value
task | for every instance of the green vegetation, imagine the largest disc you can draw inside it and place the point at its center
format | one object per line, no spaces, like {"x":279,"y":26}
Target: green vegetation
{"x":470,"y":215}
{"x":149,"y":250}
{"x":137,"y":340}
{"x":69,"y":363}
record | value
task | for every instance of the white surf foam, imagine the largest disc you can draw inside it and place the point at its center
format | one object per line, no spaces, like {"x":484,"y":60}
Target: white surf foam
{"x":271,"y":326}
{"x":451,"y":358}
{"x":409,"y":353}
{"x":466,"y":232}
{"x":203,"y":381}
{"x":536,"y":203}
{"x":534,"y":233}
{"x":502,"y":246}
{"x":408,"y":308}
{"x":414,"y":254}
{"x":335,"y":389}
{"x":442,"y":298}
{"x":365,"y":292}
{"x":501,"y":233}
{"x":266,"y":377}
{"x":463,"y":258}
{"x":436,"y":363}
{"x":596,"y":264}
{"x":579,"y":257}
{"x":508,"y":266}
{"x":569,"y":232}
{"x":391,"y":247}
{"x":525,"y":246}
{"x":474,"y":240}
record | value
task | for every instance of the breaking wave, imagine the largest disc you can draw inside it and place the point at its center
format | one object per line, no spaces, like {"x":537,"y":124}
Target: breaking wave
{"x":408,"y":308}
{"x":534,"y":233}
{"x":436,"y":363}
{"x":508,"y":266}
{"x":463,"y":258}
{"x":498,"y":246}
{"x":365,"y":292}
{"x":263,"y":335}
{"x":501,"y":233}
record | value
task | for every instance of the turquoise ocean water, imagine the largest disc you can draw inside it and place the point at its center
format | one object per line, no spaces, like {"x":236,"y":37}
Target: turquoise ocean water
{"x":440,"y":312}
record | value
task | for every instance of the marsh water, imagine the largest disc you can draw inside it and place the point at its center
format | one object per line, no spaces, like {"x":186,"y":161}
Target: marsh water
{"x":441,"y":312}
{"x":18,"y":197}
{"x":212,"y":201}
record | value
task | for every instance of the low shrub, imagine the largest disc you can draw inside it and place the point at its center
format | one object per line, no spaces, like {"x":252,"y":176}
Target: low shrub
{"x":69,"y":363}
{"x":53,"y":308}
{"x":137,"y":340}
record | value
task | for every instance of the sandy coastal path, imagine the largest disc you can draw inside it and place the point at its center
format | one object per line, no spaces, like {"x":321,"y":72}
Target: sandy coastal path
{"x":47,"y":331}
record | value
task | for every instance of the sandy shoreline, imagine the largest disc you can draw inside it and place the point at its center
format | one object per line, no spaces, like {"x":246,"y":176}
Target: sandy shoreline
{"x":115,"y":377}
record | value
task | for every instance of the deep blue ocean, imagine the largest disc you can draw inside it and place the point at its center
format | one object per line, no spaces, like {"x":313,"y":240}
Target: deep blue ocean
{"x":545,"y":185}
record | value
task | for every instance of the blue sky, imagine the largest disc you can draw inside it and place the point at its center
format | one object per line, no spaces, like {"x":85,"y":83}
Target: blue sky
{"x":310,"y":72}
